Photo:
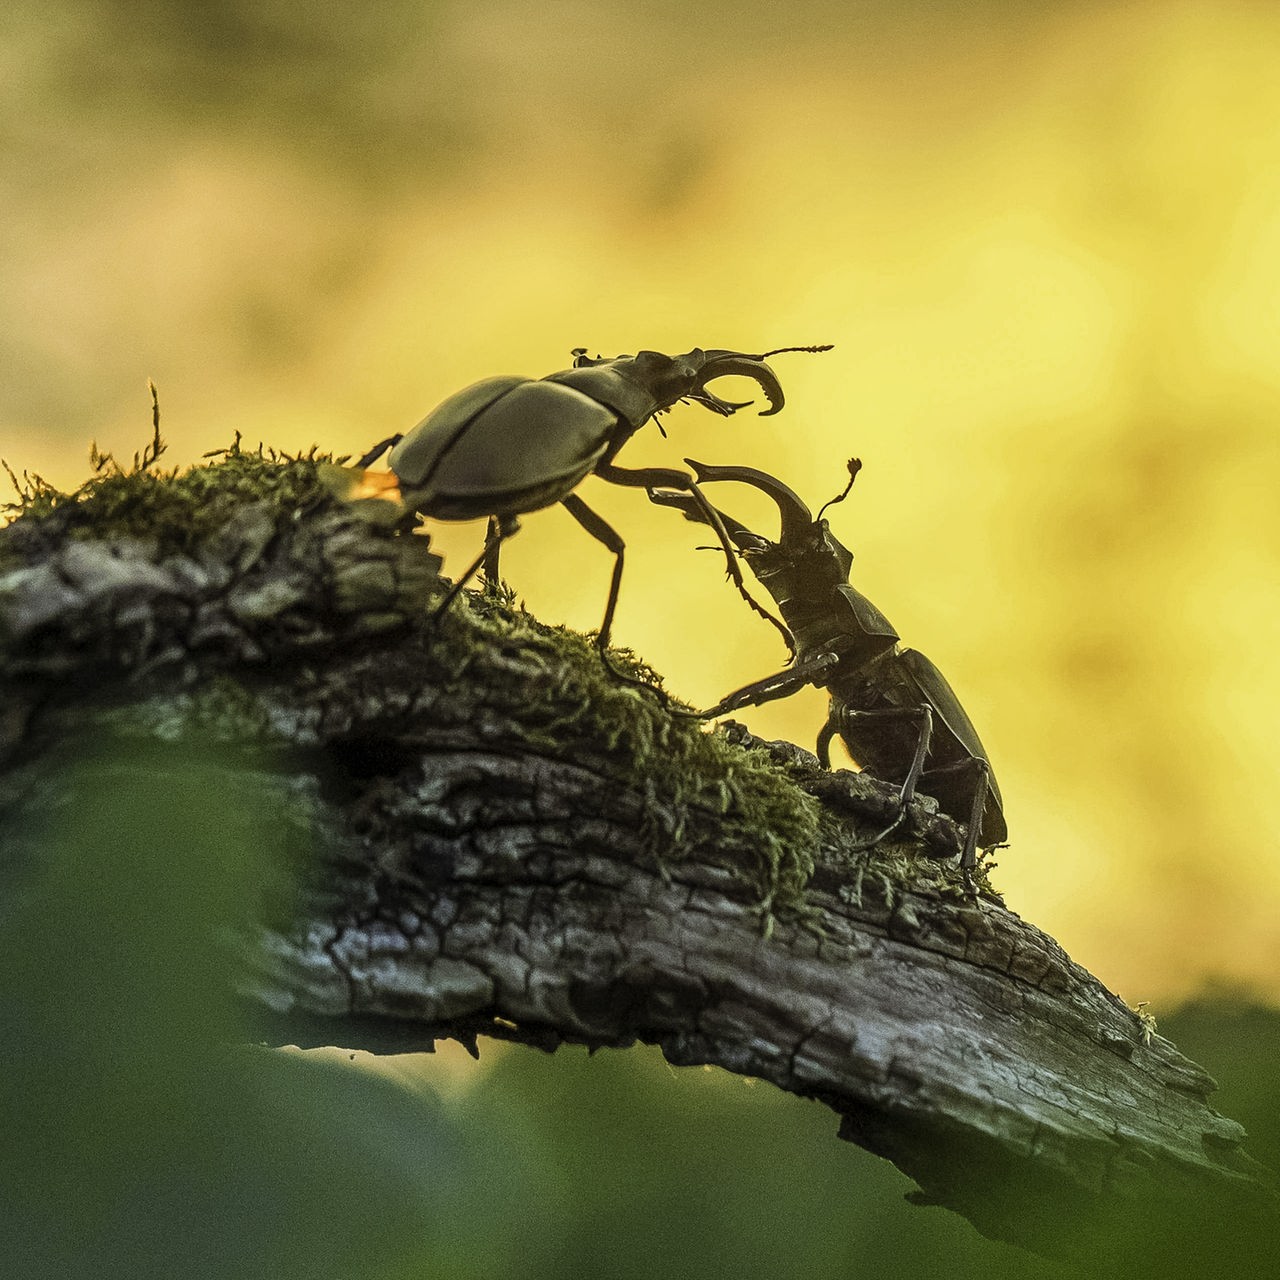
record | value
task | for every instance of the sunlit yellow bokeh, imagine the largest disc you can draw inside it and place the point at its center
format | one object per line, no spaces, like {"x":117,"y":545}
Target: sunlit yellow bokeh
{"x":1045,"y":243}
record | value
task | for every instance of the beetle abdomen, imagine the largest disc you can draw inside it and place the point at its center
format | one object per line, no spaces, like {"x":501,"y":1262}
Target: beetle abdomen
{"x":522,"y":445}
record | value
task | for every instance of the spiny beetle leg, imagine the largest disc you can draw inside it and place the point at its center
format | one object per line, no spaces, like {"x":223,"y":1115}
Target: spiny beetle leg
{"x":604,"y":532}
{"x":499,"y":529}
{"x":378,"y":450}
{"x":682,"y":481}
{"x":731,"y":558}
{"x":924,"y":717}
{"x":780,"y":685}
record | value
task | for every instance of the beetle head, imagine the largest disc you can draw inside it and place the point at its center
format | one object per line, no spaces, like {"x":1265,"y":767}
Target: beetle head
{"x":670,"y":379}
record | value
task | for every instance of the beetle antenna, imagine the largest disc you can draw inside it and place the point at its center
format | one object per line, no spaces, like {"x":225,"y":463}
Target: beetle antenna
{"x":783,"y":350}
{"x":854,"y":465}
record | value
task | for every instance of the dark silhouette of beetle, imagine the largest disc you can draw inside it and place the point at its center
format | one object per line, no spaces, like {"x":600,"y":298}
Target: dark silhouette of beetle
{"x":509,"y":445}
{"x":894,"y":710}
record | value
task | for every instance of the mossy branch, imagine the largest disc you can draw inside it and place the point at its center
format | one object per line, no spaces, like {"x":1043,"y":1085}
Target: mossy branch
{"x":499,"y":839}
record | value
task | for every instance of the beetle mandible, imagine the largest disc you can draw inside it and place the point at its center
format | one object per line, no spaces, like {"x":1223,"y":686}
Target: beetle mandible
{"x":893,"y":709}
{"x":509,"y":445}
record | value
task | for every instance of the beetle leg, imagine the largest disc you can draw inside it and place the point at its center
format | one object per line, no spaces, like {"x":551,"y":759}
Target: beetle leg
{"x":969,"y":858}
{"x":604,"y":532}
{"x":713,"y":519}
{"x":981,"y":771}
{"x":825,"y":734}
{"x":500,"y":528}
{"x":378,"y":450}
{"x":923,"y":717}
{"x":780,"y":685}
{"x":682,"y":481}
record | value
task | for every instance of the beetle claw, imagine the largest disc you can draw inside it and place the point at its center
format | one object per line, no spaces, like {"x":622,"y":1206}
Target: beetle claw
{"x":708,"y":400}
{"x":797,"y":519}
{"x":723,"y":364}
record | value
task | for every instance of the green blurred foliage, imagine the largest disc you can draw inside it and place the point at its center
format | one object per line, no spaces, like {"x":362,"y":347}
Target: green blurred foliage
{"x":629,"y":1168}
{"x":140,"y":1139}
{"x":1238,"y":1039}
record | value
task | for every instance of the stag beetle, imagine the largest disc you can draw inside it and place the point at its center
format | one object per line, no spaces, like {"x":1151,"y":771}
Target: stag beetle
{"x":508,"y":445}
{"x":894,"y":710}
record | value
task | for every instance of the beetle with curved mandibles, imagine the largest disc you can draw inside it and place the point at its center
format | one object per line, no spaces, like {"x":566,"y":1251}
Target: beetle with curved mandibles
{"x":509,"y":445}
{"x":892,"y":708}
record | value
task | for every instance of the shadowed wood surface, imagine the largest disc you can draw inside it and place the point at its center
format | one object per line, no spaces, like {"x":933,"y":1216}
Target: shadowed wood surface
{"x":499,"y":840}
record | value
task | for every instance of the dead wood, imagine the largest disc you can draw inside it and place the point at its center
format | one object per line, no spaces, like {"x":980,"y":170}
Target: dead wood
{"x":501,"y":841}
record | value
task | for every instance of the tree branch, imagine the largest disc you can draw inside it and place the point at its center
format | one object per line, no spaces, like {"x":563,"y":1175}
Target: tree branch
{"x":503,"y":841}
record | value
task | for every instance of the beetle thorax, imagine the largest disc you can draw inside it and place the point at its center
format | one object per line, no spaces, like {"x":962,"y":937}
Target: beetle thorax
{"x":815,"y":630}
{"x":634,"y":387}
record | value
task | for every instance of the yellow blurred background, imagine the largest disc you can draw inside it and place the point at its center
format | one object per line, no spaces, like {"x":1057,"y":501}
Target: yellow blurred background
{"x":1044,"y":239}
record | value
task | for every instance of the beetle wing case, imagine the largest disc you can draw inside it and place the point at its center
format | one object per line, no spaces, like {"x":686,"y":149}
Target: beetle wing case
{"x":417,"y":454}
{"x":505,"y":445}
{"x":935,"y":690}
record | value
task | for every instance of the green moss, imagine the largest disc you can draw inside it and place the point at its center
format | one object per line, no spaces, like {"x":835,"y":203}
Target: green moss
{"x":1146,"y":1020}
{"x":683,"y":767}
{"x":177,"y":510}
{"x":893,"y":867}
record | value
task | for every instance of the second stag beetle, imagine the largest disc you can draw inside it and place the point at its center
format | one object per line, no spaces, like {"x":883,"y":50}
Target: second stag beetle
{"x":509,"y":445}
{"x":893,"y":709}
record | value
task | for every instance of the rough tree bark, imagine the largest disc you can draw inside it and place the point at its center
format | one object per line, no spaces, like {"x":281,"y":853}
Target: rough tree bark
{"x":504,"y":842}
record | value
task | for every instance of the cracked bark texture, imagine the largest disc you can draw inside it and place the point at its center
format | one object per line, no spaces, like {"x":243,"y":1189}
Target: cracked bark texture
{"x":499,"y":841}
